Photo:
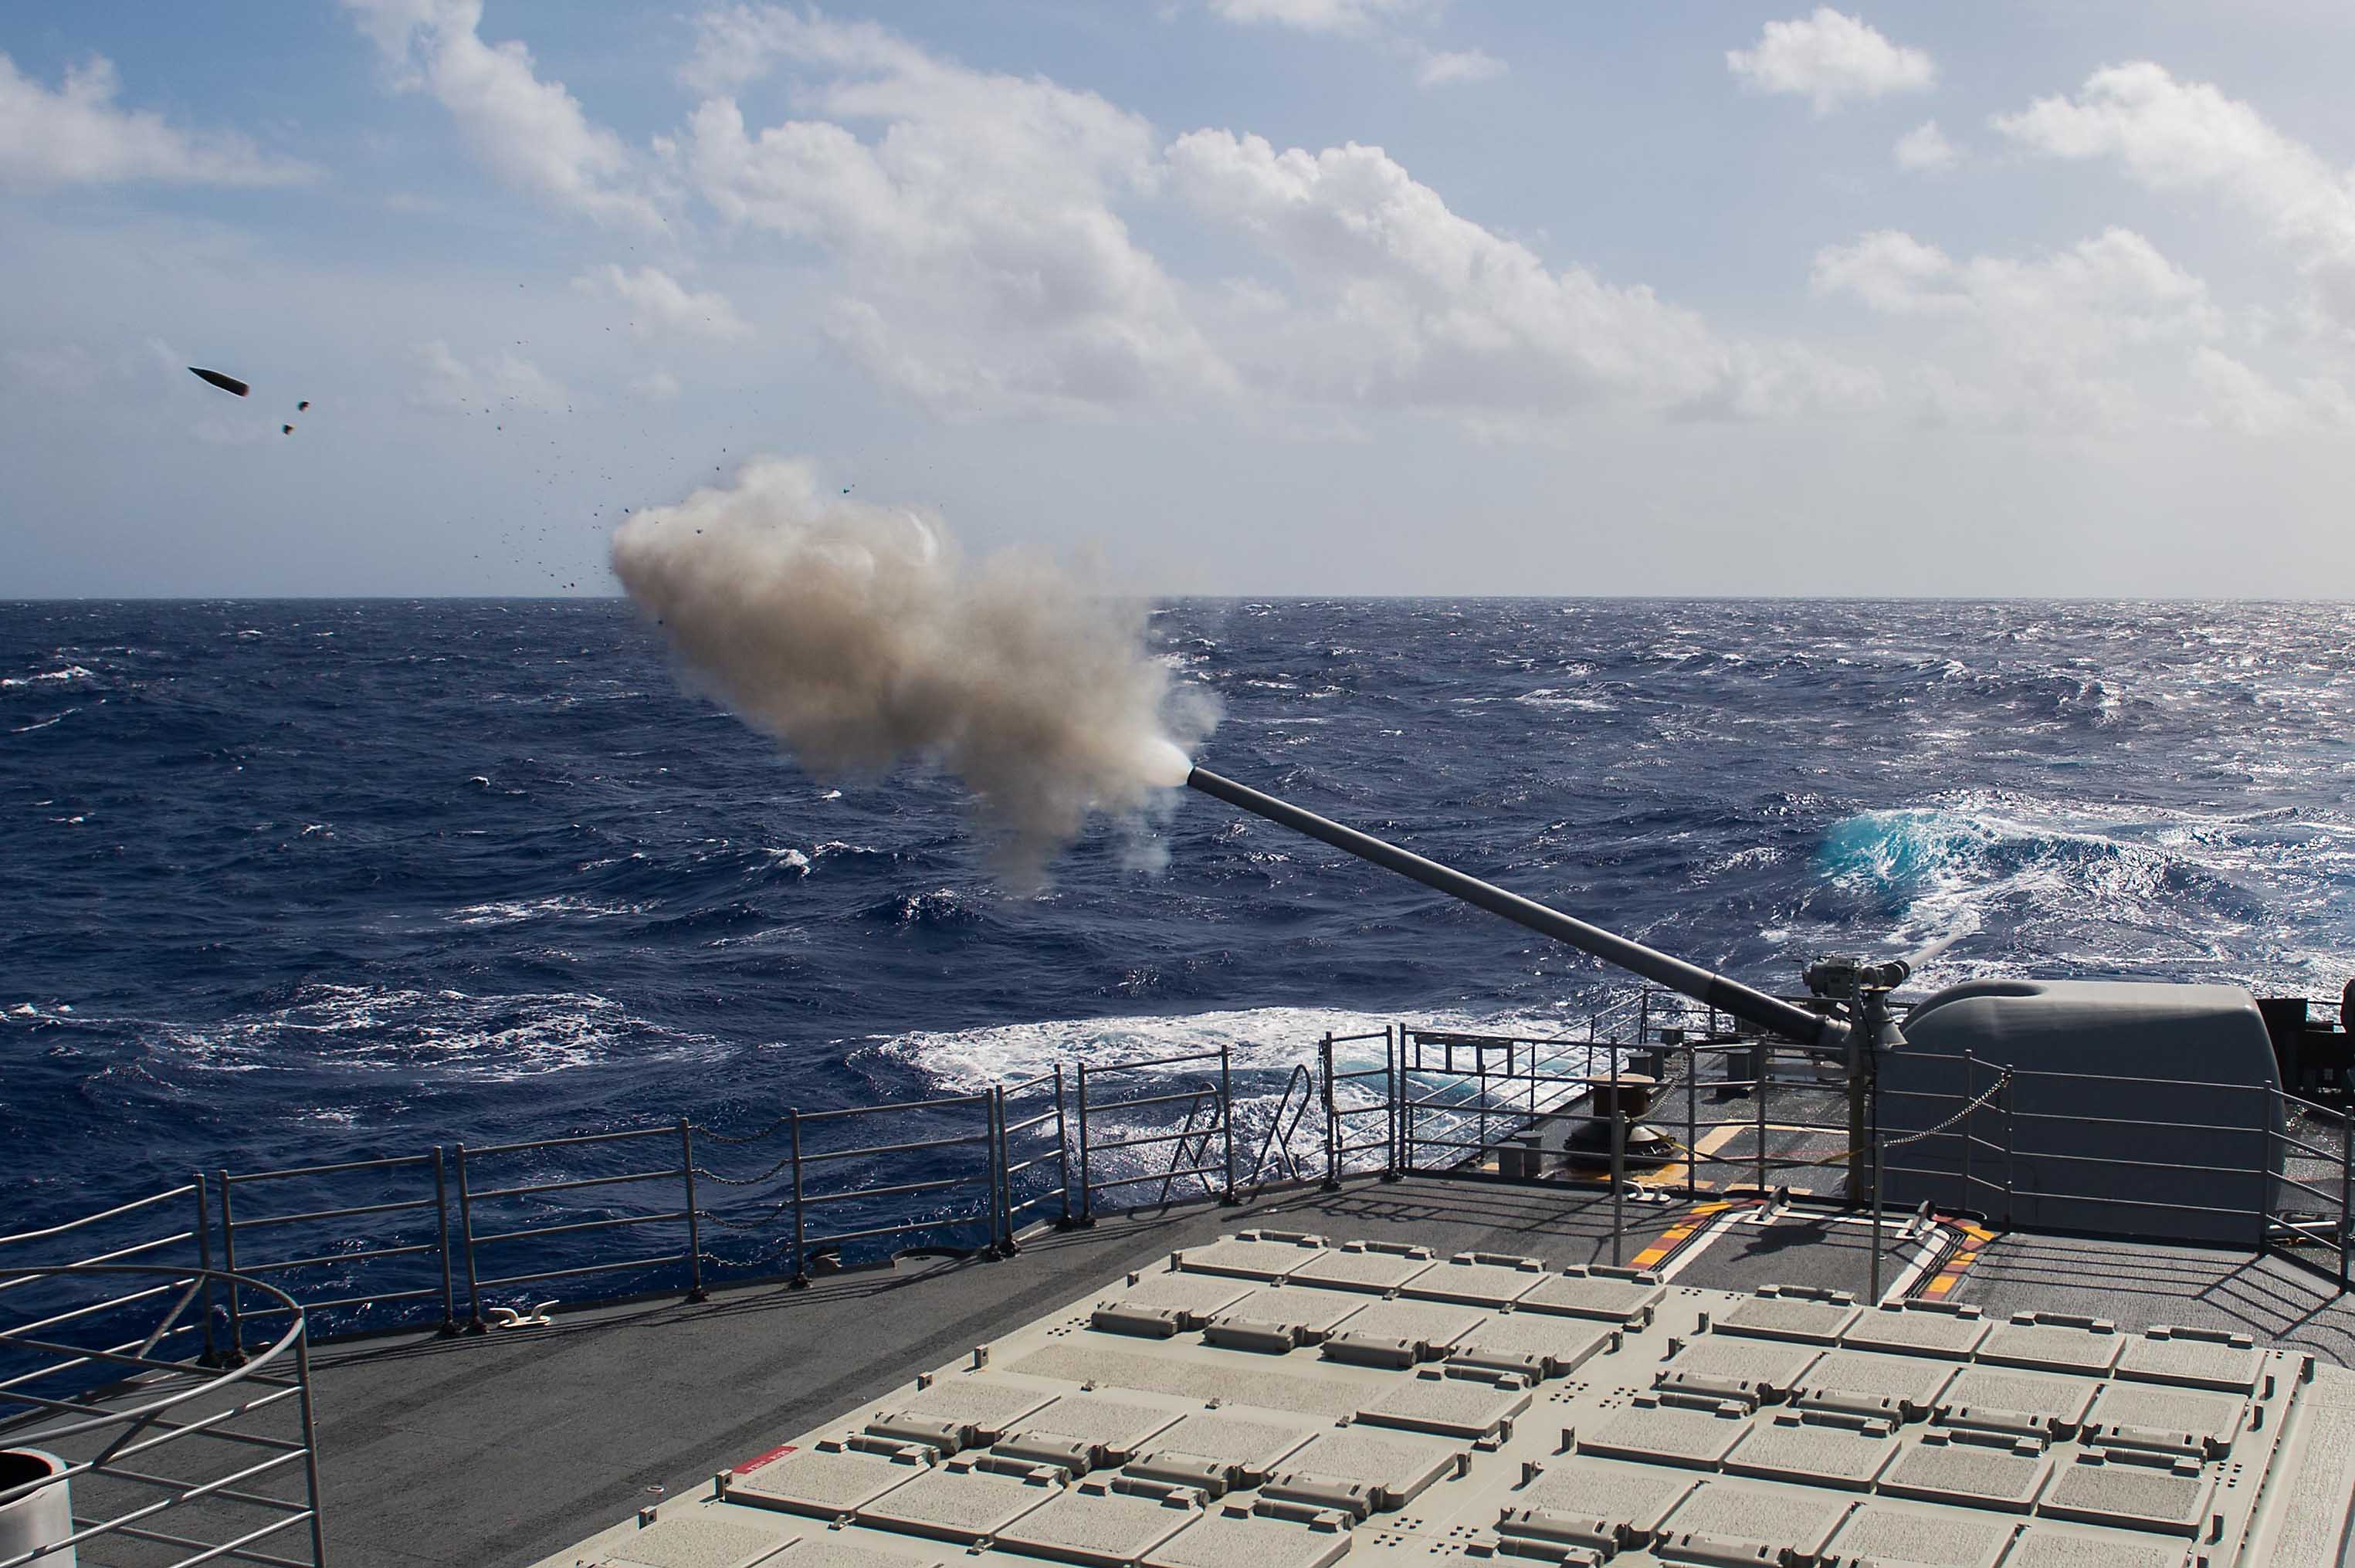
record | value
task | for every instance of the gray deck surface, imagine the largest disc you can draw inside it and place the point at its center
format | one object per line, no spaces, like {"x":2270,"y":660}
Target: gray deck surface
{"x":494,"y":1452}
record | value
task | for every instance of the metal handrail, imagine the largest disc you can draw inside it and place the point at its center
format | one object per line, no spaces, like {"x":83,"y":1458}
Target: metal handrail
{"x":278,"y":1373}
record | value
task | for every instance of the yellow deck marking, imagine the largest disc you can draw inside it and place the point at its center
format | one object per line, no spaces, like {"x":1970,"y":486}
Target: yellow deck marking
{"x":1949,"y":1276}
{"x":1677,"y":1235}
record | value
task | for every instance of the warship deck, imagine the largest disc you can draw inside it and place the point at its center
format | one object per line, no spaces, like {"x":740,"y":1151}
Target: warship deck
{"x":505,"y":1451}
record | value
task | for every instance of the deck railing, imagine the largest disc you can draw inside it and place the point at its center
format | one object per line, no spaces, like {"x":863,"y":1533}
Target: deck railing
{"x":459,"y":1237}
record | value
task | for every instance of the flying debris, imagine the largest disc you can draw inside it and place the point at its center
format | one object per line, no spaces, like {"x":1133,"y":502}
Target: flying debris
{"x":226,"y":383}
{"x":286,"y":430}
{"x":302,"y":407}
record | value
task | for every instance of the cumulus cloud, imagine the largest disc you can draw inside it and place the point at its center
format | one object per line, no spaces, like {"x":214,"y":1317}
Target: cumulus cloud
{"x":531,"y":133}
{"x":1403,"y":303}
{"x":78,"y":135}
{"x":1831,"y":60}
{"x":2097,"y":335}
{"x":659,"y":303}
{"x":505,"y":381}
{"x":1346,"y":17}
{"x":980,"y":262}
{"x":1447,"y":68}
{"x":1925,"y":149}
{"x":1377,"y":22}
{"x":2169,"y":135}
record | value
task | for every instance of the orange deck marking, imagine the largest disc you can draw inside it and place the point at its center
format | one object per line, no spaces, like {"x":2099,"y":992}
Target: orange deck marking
{"x":1677,"y":1235}
{"x":1975,"y":1242}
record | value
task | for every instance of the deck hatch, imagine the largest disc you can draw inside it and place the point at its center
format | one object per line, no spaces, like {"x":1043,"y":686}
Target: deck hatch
{"x":1761,"y":1371}
{"x":2194,"y":1357}
{"x":1918,"y":1329}
{"x":2088,"y":1346}
{"x":2144,"y":1416}
{"x":1901,"y":1388}
{"x":2142,"y":1491}
{"x":1777,"y":1312}
{"x":1166,"y":1303}
{"x":1277,"y":1318}
{"x":1252,"y":1255}
{"x":2042,"y":1548}
{"x":1393,"y":1333}
{"x":1879,"y":1534}
{"x":1465,"y":1407}
{"x":832,"y":1479}
{"x":1618,"y":1295}
{"x":1245,"y":1448}
{"x":1390,"y":1469}
{"x":1977,"y":1469}
{"x":1374,"y":1268}
{"x":1817,"y":1447}
{"x":1654,"y":1430}
{"x":1725,"y":1521}
{"x":1478,"y":1279}
{"x":965,"y":1499}
{"x":1103,"y":1523}
{"x":1595,"y":1504}
{"x":1237,"y":1537}
{"x":1535,"y":1344}
{"x":2000,"y":1399}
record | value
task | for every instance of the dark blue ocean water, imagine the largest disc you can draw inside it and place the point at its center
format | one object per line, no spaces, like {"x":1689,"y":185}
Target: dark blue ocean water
{"x":289,"y":882}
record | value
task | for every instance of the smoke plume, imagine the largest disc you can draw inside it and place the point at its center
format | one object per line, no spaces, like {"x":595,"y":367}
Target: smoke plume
{"x":856,"y":635}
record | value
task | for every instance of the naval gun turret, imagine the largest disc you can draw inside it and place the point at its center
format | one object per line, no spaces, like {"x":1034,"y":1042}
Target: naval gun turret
{"x":2122,"y":1108}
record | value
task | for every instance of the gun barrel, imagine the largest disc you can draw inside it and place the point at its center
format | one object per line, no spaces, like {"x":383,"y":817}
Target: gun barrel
{"x":1770,"y":1013}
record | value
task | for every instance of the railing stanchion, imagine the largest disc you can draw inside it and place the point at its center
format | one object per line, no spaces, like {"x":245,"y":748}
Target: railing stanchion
{"x":695,"y":1291}
{"x":1001,"y":1208}
{"x":1332,"y":1141}
{"x":1873,"y":1285}
{"x":228,"y":1265}
{"x":474,"y":1323}
{"x":309,"y":1441}
{"x":442,"y":1245}
{"x":1758,"y":1092}
{"x":1970,"y":1114}
{"x":2003,"y":1086}
{"x":1226,"y":1117}
{"x":1063,"y":1151}
{"x":1389,"y":1104}
{"x":800,"y":1280}
{"x":1692,"y":1123}
{"x":2346,"y":1160}
{"x":205,"y":1262}
{"x":1087,"y":1183}
{"x":1618,"y":1165}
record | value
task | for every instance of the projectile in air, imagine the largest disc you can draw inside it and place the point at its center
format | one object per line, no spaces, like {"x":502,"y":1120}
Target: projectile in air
{"x":226,"y":383}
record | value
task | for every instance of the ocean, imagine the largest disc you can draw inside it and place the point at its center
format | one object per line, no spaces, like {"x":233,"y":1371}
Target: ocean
{"x":295,"y":883}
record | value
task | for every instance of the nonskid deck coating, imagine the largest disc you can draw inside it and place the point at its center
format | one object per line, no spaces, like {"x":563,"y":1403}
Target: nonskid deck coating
{"x":514,"y":1437}
{"x":1943,"y":1478}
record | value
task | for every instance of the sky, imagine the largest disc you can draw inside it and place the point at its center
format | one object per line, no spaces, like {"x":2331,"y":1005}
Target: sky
{"x":1208,"y":296}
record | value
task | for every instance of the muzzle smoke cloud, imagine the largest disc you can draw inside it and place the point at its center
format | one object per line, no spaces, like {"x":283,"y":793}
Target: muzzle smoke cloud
{"x":856,"y":637}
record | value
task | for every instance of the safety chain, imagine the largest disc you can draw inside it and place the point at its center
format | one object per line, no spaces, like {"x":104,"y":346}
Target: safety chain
{"x":762,"y":1136}
{"x":2002,"y":1081}
{"x":775,"y":1210}
{"x":744,"y":1180}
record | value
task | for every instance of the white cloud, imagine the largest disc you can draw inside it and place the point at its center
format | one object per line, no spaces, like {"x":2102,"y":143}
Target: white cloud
{"x":2187,"y":135}
{"x":1830,"y":59}
{"x":661,"y":303}
{"x":978,"y":260}
{"x":77,"y":135}
{"x":1445,"y":69}
{"x":1346,"y":17}
{"x":508,"y":381}
{"x":2097,"y":335}
{"x":660,"y":386}
{"x":1926,"y":148}
{"x":1377,"y":22}
{"x":1402,"y":302}
{"x":533,"y":133}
